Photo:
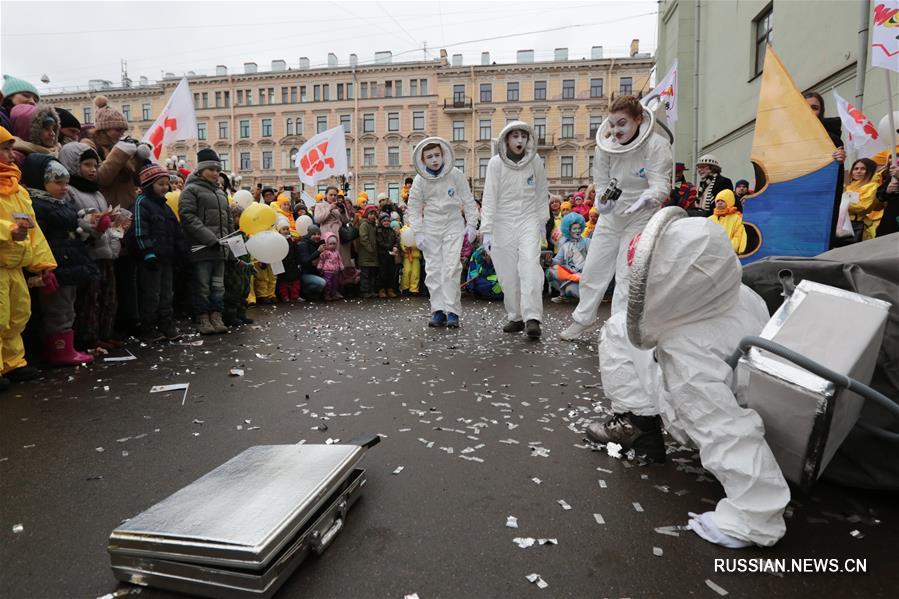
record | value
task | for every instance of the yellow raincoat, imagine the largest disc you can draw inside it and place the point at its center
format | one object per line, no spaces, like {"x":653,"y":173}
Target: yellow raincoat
{"x":868,"y":209}
{"x":730,"y":220}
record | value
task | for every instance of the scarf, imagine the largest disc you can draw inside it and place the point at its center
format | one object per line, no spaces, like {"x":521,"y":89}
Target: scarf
{"x":725,"y":211}
{"x":9,"y":178}
{"x":705,"y":191}
{"x":82,"y":184}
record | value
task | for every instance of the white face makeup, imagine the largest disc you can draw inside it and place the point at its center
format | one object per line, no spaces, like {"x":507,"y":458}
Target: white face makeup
{"x":516,"y":141}
{"x":703,"y":169}
{"x":623,"y":127}
{"x":433,"y":159}
{"x":575,"y":230}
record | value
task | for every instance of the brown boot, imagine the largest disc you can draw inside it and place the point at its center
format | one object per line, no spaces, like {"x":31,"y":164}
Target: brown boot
{"x":204,"y":327}
{"x":382,"y":294}
{"x":218,"y":326}
{"x":391,"y":293}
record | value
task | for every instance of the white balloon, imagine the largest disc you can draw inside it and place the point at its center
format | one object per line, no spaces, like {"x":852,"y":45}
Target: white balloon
{"x":243,"y":198}
{"x":268,"y":247}
{"x":303,"y":224}
{"x":407,"y":236}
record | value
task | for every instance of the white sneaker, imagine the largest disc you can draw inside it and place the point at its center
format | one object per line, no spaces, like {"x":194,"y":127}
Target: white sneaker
{"x":559,"y":300}
{"x":575,"y":330}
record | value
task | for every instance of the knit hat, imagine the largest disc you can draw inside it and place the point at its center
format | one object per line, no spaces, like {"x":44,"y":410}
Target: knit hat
{"x":207,"y":158}
{"x":150,"y":173}
{"x":565,"y":205}
{"x":319,"y":197}
{"x":13,"y":85}
{"x":282,"y":197}
{"x":5,"y":136}
{"x":67,"y":119}
{"x":383,"y":216}
{"x":312,"y":230}
{"x":680,"y":167}
{"x":708,"y":159}
{"x":383,"y":196}
{"x":741,"y":182}
{"x":368,"y":210}
{"x":107,"y":116}
{"x":281,"y":222}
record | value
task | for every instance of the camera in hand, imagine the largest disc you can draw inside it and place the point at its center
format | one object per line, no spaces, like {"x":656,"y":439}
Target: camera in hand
{"x":611,"y":193}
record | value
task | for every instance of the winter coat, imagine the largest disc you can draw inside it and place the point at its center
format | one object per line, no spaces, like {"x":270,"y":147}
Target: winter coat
{"x":889,"y":223}
{"x":326,"y":221}
{"x":205,"y":218}
{"x":572,"y":252}
{"x":307,"y":251}
{"x":155,"y":230}
{"x":330,"y":261}
{"x":26,"y":125}
{"x":386,"y":239}
{"x":367,"y":252}
{"x":85,"y":195}
{"x":59,"y":222}
{"x":33,"y":253}
{"x":731,"y":221}
{"x":291,"y":263}
{"x":117,"y":175}
{"x":709,"y":188}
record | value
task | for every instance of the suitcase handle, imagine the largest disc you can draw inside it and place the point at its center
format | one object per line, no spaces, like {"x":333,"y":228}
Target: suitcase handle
{"x":321,"y":542}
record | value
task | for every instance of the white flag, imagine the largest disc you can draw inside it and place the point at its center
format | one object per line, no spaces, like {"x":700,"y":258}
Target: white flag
{"x":322,"y":156}
{"x":885,"y":35}
{"x":177,"y":120}
{"x":666,"y":92}
{"x":862,"y":133}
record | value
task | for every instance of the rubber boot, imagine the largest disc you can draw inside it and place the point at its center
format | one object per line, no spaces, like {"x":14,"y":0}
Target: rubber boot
{"x":204,"y":327}
{"x":452,"y":320}
{"x":514,"y":326}
{"x":438,"y":319}
{"x":61,"y":350}
{"x":215,"y":318}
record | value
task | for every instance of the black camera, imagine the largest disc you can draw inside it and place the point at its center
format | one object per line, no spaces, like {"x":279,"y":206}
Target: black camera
{"x":611,"y":193}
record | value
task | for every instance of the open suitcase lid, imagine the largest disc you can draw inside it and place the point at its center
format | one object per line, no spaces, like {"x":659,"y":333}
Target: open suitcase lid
{"x":243,"y":512}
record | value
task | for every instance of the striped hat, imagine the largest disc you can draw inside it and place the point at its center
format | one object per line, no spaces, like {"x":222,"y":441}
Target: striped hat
{"x":150,"y":173}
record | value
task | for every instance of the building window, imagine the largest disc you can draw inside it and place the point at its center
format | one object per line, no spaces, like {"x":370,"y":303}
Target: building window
{"x":590,"y":165}
{"x":398,"y":88}
{"x":567,"y":170}
{"x":460,"y":164}
{"x":267,"y":160}
{"x":625,"y":86}
{"x":482,"y":167}
{"x":293,"y":158}
{"x":418,"y":121}
{"x":345,"y":121}
{"x":205,"y":100}
{"x":326,"y":92}
{"x":567,"y":89}
{"x":595,"y":122}
{"x":368,"y":156}
{"x":363,"y":90}
{"x":145,"y":112}
{"x":340,"y":91}
{"x":225,"y":159}
{"x":303,"y":96}
{"x":368,"y":122}
{"x":218,"y":99}
{"x":486,"y":92}
{"x":762,"y":25}
{"x":393,"y":121}
{"x":201,"y":131}
{"x":413,"y":87}
{"x":126,"y":111}
{"x":484,"y":129}
{"x":512,"y":91}
{"x":289,"y":130}
{"x":349,"y":91}
{"x":393,"y":190}
{"x":262,"y":95}
{"x":349,"y":156}
{"x":299,"y":125}
{"x":388,"y":89}
{"x":244,"y":161}
{"x":240,"y":97}
{"x":423,"y":86}
{"x":458,"y":130}
{"x":567,"y":127}
{"x":284,"y":92}
{"x":458,"y":95}
{"x":369,"y":189}
{"x":266,"y":127}
{"x":596,"y":88}
{"x":393,"y":156}
{"x":540,"y":130}
{"x":316,"y":93}
{"x":321,"y":123}
{"x":373,"y":86}
{"x":244,"y":129}
{"x":227,"y":99}
{"x":271,"y":95}
{"x":223,"y":129}
{"x":293,"y":94}
{"x":539,"y":90}
{"x":87,"y":115}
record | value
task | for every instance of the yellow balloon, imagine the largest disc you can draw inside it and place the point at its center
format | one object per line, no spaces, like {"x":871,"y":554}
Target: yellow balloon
{"x":256,"y":218}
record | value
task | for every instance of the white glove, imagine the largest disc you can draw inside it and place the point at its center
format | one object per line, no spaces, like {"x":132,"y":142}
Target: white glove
{"x":487,"y":242}
{"x":642,"y":202}
{"x":421,"y":241}
{"x":470,"y":233}
{"x":144,"y":150}
{"x":127,"y":147}
{"x":603,"y":207}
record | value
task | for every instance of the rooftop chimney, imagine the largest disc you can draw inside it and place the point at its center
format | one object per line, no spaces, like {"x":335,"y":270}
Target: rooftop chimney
{"x":279,"y":65}
{"x":596,"y":52}
{"x":383,"y":57}
{"x":635,"y":47}
{"x":191,"y":74}
{"x":249,"y":68}
{"x":525,"y":56}
{"x":169,"y":76}
{"x":561,"y":54}
{"x":354,"y":60}
{"x":221,"y":70}
{"x":443,"y":59}
{"x":332,"y":59}
{"x":304,"y":62}
{"x":457,"y":60}
{"x":485,"y":58}
{"x":143,"y":81}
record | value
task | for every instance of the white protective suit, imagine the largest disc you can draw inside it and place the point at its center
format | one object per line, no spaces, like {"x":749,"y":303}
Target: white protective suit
{"x":695,"y":313}
{"x":514,"y":212}
{"x":436,"y":204}
{"x":643,"y":171}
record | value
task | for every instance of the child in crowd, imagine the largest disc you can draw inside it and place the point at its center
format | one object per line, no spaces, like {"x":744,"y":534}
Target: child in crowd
{"x":514,"y":215}
{"x":482,"y":280}
{"x":265,"y":284}
{"x":591,"y":223}
{"x":47,"y":180}
{"x":308,"y":250}
{"x":283,"y":208}
{"x":156,"y":242}
{"x":565,"y":272}
{"x":238,"y":281}
{"x":22,"y":246}
{"x":727,"y":215}
{"x":411,"y":264}
{"x":289,"y":281}
{"x":396,"y":225}
{"x":330,"y":265}
{"x":367,"y":252}
{"x":579,"y":204}
{"x":37,"y":127}
{"x":388,"y":248}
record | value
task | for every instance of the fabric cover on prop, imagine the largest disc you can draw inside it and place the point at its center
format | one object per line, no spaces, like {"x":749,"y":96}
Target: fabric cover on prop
{"x":868,"y":268}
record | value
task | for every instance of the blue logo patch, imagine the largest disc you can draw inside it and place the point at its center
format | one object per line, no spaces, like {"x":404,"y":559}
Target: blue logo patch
{"x":641,"y":173}
{"x":450,"y":192}
{"x":530,"y":182}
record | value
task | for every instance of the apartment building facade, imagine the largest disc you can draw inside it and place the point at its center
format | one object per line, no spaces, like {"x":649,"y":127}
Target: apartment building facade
{"x":257,"y":121}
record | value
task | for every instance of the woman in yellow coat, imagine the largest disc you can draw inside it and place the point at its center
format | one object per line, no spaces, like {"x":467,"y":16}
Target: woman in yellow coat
{"x":22,"y":246}
{"x":867,"y":211}
{"x":282,"y":207}
{"x":726,"y":215}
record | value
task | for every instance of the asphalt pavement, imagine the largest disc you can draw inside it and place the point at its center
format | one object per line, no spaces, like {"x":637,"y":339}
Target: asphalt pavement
{"x":485,"y":425}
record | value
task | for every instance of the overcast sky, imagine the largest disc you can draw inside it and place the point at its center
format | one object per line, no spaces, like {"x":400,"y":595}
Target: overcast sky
{"x":72,"y":42}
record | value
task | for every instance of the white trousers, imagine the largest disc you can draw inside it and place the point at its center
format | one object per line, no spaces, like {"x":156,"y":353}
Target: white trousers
{"x":443,"y":271}
{"x":516,"y":257}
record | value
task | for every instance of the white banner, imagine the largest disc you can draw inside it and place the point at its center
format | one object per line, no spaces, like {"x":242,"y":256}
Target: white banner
{"x":666,"y":92}
{"x":885,"y":35}
{"x":322,"y":156}
{"x":177,"y":120}
{"x":861,"y":132}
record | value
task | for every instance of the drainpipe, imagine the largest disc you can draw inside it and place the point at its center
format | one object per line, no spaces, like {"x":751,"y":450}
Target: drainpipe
{"x":232,"y":132}
{"x":356,"y":136}
{"x":696,"y":30}
{"x":861,"y":64}
{"x":474,"y":158}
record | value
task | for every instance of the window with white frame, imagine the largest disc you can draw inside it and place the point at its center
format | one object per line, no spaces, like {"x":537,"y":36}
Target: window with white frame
{"x":485,"y":129}
{"x":145,"y":112}
{"x":244,"y":128}
{"x":482,"y":167}
{"x":223,"y":129}
{"x":244,"y":161}
{"x":321,"y":123}
{"x":369,"y":189}
{"x":567,"y":89}
{"x":596,"y":88}
{"x":393,"y":121}
{"x":460,"y":164}
{"x":225,"y":159}
{"x":266,"y":127}
{"x":540,"y":129}
{"x":293,"y":157}
{"x":201,"y":131}
{"x":346,"y":121}
{"x":86,"y":113}
{"x":289,"y":126}
{"x":567,"y":127}
{"x":126,"y":111}
{"x":626,"y":86}
{"x":567,"y":167}
{"x":368,"y":156}
{"x":267,"y":162}
{"x":393,"y":190}
{"x":368,"y":122}
{"x":418,"y":120}
{"x":393,"y":156}
{"x":595,"y":122}
{"x":458,"y":130}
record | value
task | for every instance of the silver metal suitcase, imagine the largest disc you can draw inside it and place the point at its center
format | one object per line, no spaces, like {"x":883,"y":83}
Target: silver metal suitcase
{"x":242,"y":529}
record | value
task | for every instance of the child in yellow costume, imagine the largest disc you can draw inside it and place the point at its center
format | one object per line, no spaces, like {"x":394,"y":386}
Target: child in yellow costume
{"x":726,"y":215}
{"x":282,"y":207}
{"x":867,"y":211}
{"x":265,"y":283}
{"x":22,"y":246}
{"x":411,"y":263}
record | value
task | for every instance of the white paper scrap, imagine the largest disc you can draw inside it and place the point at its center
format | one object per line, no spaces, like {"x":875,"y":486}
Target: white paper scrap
{"x":412,"y":596}
{"x":538,"y":580}
{"x":17,"y":528}
{"x":536,"y":480}
{"x":614,"y":450}
{"x":599,"y":519}
{"x":398,"y":469}
{"x":564,"y":504}
{"x":236,"y":372}
{"x":638,"y":507}
{"x":524,"y":542}
{"x":657,"y":551}
{"x":715,"y":587}
{"x":512,"y":522}
{"x":175,"y":387}
{"x":278,"y":268}
{"x":127,"y":358}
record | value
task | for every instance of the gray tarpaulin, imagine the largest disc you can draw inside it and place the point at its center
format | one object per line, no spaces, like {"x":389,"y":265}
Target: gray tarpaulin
{"x":870,"y":268}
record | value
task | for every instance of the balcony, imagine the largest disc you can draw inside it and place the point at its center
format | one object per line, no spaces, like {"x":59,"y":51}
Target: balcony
{"x":546,"y":143}
{"x":459,"y":104}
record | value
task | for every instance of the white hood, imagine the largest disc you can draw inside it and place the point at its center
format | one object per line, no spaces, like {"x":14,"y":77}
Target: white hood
{"x":530,"y":150}
{"x":449,"y":158}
